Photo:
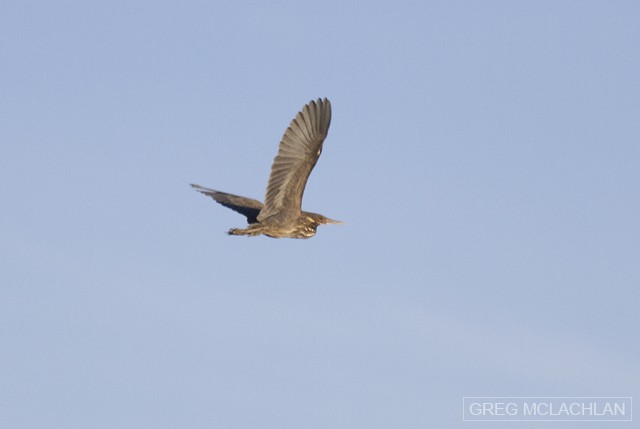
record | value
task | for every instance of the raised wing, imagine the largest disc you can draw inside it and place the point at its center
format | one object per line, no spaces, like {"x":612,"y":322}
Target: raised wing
{"x":298,"y":153}
{"x":245,"y":206}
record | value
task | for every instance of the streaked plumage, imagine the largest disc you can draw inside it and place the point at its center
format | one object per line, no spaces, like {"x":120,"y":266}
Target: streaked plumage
{"x":281,"y":215}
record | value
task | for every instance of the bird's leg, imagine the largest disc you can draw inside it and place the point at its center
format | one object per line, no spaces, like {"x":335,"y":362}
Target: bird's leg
{"x":252,"y":230}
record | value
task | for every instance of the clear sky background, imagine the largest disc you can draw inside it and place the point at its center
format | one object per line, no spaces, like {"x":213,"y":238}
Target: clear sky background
{"x":484,"y":156}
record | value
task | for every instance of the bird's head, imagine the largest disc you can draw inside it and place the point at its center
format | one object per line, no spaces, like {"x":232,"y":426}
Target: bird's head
{"x":307,"y":224}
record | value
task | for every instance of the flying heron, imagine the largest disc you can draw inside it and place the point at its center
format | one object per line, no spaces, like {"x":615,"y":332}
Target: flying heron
{"x":281,"y":214}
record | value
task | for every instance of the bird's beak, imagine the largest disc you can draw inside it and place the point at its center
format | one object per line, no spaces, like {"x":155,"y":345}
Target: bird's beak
{"x":337,"y":222}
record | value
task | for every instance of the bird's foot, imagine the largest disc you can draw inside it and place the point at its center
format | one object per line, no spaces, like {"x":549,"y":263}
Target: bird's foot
{"x":237,"y":231}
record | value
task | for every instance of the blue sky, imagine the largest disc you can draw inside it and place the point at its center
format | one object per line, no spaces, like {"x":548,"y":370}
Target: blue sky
{"x":484,"y":156}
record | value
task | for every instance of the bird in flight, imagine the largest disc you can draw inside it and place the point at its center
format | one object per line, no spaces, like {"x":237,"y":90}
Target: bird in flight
{"x":281,"y":214}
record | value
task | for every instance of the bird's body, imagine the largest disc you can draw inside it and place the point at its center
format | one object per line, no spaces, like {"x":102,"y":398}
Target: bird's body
{"x":281,"y":215}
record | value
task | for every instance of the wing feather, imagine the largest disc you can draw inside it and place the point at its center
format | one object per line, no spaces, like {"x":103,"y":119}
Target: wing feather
{"x":245,"y":206}
{"x":299,"y":150}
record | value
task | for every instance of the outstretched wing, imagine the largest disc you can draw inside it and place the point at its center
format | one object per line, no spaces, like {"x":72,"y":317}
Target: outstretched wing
{"x":245,"y":206}
{"x":298,"y":153}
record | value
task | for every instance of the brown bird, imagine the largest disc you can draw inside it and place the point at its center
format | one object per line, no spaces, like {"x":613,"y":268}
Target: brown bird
{"x":281,"y":214}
